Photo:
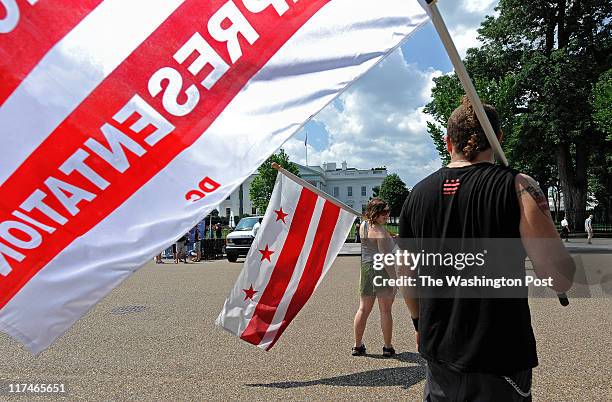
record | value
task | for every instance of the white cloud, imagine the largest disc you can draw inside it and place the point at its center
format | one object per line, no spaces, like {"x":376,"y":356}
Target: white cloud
{"x":463,"y":19}
{"x":379,"y":122}
{"x":478,"y":6}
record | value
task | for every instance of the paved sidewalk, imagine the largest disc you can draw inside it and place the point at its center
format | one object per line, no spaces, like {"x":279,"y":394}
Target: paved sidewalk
{"x":574,"y":246}
{"x":169,"y":349}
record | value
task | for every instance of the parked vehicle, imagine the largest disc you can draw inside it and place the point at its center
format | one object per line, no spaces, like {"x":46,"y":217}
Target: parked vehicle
{"x":238,"y":242}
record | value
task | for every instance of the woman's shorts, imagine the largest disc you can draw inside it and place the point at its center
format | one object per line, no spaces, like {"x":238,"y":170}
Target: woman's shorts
{"x":366,"y":281}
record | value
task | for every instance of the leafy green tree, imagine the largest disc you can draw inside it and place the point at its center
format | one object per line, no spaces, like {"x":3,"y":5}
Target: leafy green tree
{"x":538,"y":66}
{"x":263,"y":184}
{"x":394,"y":191}
{"x":600,"y":176}
{"x":602,"y":103}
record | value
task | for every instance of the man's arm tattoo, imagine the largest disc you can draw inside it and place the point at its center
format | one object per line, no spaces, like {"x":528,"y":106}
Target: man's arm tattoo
{"x":537,"y":195}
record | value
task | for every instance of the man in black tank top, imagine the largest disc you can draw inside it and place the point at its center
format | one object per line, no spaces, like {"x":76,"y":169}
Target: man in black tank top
{"x":481,"y":349}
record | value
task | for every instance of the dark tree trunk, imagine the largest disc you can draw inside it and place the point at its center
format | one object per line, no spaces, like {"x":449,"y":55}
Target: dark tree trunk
{"x":573,"y":182}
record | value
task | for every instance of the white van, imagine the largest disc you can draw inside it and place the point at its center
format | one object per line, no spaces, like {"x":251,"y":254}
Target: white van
{"x":238,"y":243}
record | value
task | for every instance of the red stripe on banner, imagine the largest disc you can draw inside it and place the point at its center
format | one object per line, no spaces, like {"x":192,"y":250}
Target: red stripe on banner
{"x":99,"y":196}
{"x":283,"y":270}
{"x":38,"y":28}
{"x":314,"y":266}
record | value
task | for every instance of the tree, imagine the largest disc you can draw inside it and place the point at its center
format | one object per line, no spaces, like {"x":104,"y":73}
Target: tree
{"x":263,"y":184}
{"x":600,"y":176}
{"x":602,"y":103}
{"x":538,"y":65}
{"x":394,"y":191}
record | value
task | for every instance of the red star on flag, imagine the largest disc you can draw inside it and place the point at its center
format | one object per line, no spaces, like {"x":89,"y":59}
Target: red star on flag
{"x":280,"y":215}
{"x":266,"y":253}
{"x":249,"y":293}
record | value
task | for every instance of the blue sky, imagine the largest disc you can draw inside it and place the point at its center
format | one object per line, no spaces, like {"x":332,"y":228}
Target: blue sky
{"x":379,"y":121}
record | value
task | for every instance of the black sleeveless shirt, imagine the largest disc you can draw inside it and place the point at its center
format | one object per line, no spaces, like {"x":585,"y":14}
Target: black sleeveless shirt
{"x":489,"y":335}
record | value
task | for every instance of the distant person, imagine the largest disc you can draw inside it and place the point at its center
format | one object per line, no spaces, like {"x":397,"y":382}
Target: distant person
{"x":357,"y":234}
{"x":202,"y":232}
{"x":565,"y":229}
{"x":191,"y":239}
{"x":181,"y":250}
{"x":588,"y":227}
{"x":480,"y":349}
{"x":256,"y":227}
{"x":375,"y":240}
{"x":197,"y":245}
{"x":158,"y":259}
{"x":218,"y":231}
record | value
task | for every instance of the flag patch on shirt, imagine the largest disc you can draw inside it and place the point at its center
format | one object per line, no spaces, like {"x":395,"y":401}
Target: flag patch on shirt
{"x":450,"y":186}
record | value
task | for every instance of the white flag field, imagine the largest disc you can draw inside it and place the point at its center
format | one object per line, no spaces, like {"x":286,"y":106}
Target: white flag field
{"x":300,"y":236}
{"x":124,"y":123}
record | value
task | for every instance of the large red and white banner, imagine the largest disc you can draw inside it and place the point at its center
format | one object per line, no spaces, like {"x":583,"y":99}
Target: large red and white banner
{"x":123,"y":123}
{"x":299,"y":239}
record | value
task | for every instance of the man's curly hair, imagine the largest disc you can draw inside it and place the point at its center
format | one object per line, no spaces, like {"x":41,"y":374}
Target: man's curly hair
{"x":465,"y":132}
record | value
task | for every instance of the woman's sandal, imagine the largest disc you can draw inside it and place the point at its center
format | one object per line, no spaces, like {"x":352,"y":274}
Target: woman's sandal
{"x":359,"y":350}
{"x":388,"y":351}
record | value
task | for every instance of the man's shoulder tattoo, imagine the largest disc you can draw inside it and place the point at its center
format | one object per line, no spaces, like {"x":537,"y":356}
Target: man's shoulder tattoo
{"x":536,"y":193}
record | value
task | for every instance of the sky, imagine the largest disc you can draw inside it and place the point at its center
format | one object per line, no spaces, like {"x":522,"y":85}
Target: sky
{"x":379,"y":120}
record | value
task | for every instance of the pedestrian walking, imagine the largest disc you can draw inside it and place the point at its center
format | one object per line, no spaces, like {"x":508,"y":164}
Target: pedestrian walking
{"x":565,"y":229}
{"x":357,"y":234}
{"x":588,"y":227}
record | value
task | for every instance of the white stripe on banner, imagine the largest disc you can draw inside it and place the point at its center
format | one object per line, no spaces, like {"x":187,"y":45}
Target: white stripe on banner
{"x":286,"y":195}
{"x":344,"y":220}
{"x":71,"y":70}
{"x":305,"y":75}
{"x":297,"y":274}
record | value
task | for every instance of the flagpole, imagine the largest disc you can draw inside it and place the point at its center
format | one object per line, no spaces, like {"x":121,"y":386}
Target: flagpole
{"x":306,"y":145}
{"x":462,"y":73}
{"x":315,"y":190}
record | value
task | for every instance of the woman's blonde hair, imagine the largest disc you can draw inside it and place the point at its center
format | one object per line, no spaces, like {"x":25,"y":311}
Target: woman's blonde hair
{"x":376,"y":207}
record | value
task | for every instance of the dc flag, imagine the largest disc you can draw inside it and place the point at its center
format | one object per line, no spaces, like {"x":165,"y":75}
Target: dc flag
{"x":124,"y":123}
{"x":300,"y":237}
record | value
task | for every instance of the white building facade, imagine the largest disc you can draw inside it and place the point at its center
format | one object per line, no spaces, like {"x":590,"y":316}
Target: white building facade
{"x":352,"y":186}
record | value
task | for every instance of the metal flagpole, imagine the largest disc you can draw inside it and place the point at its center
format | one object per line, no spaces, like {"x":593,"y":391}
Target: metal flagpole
{"x":315,"y":190}
{"x":306,"y":145}
{"x":462,"y":73}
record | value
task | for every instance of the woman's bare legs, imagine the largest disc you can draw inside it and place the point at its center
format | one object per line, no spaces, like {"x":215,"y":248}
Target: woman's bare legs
{"x":385,"y":303}
{"x":361,"y":318}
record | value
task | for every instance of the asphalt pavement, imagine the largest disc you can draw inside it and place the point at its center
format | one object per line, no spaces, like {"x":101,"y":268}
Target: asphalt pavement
{"x":154,"y":338}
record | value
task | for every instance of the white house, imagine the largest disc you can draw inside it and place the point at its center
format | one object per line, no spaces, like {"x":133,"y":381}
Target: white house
{"x":350,"y":185}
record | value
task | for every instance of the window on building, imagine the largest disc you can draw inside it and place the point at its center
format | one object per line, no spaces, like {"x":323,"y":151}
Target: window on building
{"x":349,"y":191}
{"x":228,"y":197}
{"x":364,"y":191}
{"x":253,"y":211}
{"x":336,"y":191}
{"x":363,"y":208}
{"x":228,"y":211}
